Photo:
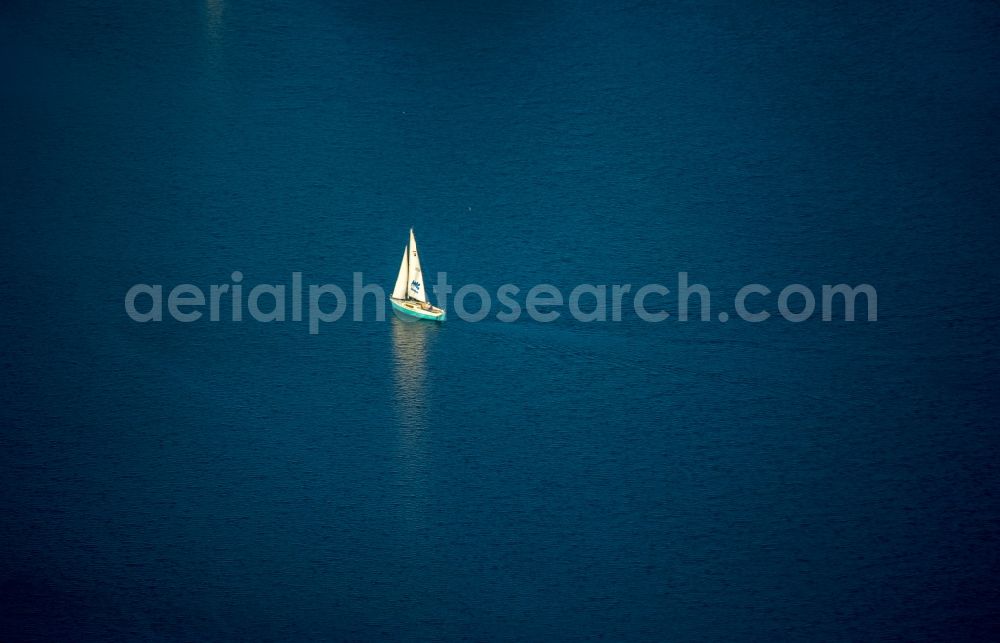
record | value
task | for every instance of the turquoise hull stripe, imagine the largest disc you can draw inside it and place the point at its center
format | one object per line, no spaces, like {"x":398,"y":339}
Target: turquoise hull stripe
{"x":419,"y":314}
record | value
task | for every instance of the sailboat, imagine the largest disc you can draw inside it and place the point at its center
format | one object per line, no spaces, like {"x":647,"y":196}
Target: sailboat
{"x":409,"y":296}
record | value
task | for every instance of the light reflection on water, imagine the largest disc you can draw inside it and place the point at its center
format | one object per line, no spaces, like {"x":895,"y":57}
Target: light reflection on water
{"x":410,"y":341}
{"x":213,"y":15}
{"x":213,"y":48}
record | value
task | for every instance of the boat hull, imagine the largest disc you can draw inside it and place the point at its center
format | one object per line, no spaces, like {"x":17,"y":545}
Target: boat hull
{"x":413,"y":310}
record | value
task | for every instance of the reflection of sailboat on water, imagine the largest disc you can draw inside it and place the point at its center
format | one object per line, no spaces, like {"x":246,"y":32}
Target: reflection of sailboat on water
{"x":409,"y":343}
{"x":409,"y":297}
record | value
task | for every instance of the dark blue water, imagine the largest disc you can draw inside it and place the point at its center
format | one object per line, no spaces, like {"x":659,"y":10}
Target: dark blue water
{"x":379,"y":480}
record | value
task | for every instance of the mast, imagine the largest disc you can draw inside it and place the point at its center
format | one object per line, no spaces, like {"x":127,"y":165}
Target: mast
{"x":415,"y":280}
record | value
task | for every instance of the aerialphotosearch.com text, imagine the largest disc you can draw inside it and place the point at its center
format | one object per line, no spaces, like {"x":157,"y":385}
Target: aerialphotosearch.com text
{"x":319,"y":304}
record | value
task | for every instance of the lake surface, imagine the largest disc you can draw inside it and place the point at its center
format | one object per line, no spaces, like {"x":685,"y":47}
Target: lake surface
{"x":503,"y":481}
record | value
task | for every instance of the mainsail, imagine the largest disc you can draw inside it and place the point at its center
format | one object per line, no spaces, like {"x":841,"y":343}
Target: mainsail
{"x":415,"y":287}
{"x":399,"y":290}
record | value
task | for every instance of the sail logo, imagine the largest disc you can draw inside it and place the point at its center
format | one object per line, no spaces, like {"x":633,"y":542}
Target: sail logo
{"x":415,"y":285}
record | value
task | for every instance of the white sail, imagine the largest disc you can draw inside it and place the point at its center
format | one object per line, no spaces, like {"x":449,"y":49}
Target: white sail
{"x":399,"y":290}
{"x":415,"y":287}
